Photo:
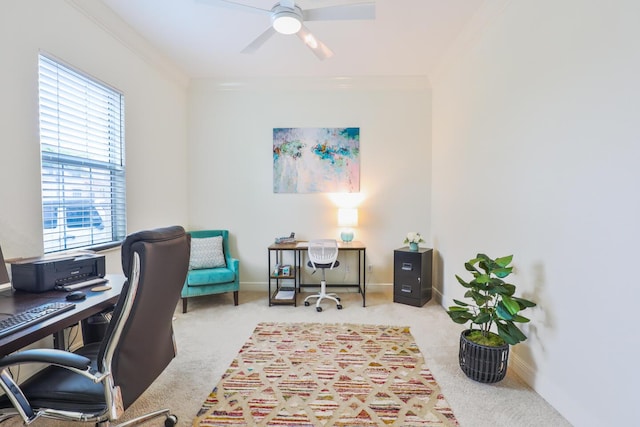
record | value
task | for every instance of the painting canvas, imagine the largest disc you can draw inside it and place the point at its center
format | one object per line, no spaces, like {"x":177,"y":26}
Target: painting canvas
{"x":314,"y":160}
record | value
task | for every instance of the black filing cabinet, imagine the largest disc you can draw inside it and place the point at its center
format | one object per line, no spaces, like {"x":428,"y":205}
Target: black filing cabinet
{"x":412,"y":276}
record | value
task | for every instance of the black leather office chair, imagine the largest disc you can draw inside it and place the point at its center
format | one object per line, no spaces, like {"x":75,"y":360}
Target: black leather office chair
{"x":100,"y":381}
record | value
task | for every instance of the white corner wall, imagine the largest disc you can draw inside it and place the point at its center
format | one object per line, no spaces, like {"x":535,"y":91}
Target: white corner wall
{"x":231,"y":163}
{"x":535,"y":153}
{"x":155,"y":117}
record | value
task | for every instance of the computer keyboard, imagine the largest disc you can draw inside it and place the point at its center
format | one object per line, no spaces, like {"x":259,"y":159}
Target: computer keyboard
{"x":32,"y":316}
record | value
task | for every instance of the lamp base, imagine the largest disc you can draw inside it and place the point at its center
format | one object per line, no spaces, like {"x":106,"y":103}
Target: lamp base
{"x":346,"y":236}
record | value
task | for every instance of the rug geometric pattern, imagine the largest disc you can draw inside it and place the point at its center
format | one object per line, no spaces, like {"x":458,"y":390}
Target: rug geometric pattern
{"x":316,"y":374}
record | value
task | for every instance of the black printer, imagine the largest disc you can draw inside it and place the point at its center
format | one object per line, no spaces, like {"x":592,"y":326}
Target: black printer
{"x":41,"y":275}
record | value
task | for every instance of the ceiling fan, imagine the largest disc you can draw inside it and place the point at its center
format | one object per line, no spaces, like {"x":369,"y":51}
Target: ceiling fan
{"x":288,"y":18}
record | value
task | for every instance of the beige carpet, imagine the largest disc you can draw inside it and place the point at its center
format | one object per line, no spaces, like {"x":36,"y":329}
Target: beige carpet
{"x":211,"y":334}
{"x":314,"y":374}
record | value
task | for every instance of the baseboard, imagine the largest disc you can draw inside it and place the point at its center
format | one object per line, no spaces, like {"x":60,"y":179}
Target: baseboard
{"x":522,"y":369}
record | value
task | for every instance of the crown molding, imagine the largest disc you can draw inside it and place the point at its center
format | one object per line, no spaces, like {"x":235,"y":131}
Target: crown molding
{"x":364,"y":83}
{"x":105,"y":18}
{"x":487,"y":14}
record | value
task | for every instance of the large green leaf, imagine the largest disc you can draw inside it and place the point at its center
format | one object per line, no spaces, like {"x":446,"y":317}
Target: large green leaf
{"x":524,"y":302}
{"x":504,"y":261}
{"x":460,"y":317}
{"x":482,"y":318}
{"x":462,"y":303}
{"x":483,"y":278}
{"x":478,"y":297}
{"x":510,"y":289}
{"x":480,"y":286}
{"x":462,"y":282}
{"x":502,"y":312}
{"x":485,"y":266}
{"x":499,"y":290}
{"x":510,"y":304}
{"x":502,"y":272}
{"x":503,"y":331}
{"x":515,"y":332}
{"x":495,"y":281}
{"x":469,"y":266}
{"x":510,"y":333}
{"x":520,"y":319}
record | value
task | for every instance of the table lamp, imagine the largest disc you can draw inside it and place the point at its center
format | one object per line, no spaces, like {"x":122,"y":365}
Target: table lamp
{"x":347,"y":218}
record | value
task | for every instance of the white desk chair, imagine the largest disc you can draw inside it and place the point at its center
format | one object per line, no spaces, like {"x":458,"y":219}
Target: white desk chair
{"x":323,"y":254}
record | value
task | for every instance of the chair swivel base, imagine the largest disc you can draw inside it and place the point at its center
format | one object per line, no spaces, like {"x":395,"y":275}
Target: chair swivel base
{"x":170,"y":419}
{"x":323,"y":295}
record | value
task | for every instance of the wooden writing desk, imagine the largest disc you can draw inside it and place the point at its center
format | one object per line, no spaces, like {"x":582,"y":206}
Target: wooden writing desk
{"x":14,"y":302}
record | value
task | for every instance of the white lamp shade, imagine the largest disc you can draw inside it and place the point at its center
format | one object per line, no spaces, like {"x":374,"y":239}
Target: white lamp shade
{"x":347,"y":217}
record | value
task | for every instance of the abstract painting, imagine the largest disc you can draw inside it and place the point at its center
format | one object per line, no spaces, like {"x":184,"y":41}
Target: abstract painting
{"x":316,"y":160}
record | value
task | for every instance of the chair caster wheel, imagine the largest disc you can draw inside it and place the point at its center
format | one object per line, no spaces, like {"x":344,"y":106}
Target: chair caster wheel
{"x":171,"y":421}
{"x":339,"y":306}
{"x":318,"y":309}
{"x":306,"y":303}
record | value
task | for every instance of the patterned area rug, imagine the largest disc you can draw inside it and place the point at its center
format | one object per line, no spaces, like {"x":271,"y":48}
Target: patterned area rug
{"x":314,"y":374}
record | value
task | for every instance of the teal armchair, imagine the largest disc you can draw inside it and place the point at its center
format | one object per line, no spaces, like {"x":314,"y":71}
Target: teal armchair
{"x":212,"y":270}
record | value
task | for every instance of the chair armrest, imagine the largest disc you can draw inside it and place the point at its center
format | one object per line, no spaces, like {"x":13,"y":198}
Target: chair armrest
{"x":233,"y":264}
{"x":75,"y":362}
{"x":46,"y":355}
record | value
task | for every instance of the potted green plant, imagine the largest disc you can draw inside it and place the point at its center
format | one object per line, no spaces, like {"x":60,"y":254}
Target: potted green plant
{"x":484,"y":353}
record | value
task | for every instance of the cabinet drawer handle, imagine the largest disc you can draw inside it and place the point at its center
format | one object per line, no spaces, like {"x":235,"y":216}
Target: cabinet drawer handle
{"x":405,"y":288}
{"x":407,"y":266}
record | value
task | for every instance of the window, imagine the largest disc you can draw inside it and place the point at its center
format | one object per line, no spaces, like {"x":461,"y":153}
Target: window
{"x":83,"y":170}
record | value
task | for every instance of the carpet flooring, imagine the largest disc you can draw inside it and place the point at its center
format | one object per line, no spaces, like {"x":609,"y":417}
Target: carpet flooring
{"x":314,"y":374}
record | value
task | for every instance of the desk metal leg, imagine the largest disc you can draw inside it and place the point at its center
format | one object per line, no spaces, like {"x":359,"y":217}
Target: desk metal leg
{"x":269,"y":278}
{"x":364,"y":276}
{"x":298,"y":267}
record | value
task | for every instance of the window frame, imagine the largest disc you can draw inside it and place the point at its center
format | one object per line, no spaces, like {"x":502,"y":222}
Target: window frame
{"x":82,"y":152}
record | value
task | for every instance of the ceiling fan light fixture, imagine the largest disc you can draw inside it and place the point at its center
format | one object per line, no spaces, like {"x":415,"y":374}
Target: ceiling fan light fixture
{"x":286,"y":23}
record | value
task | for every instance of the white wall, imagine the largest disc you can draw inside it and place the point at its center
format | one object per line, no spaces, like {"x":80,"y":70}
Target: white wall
{"x":231,"y":163}
{"x":535,"y":146}
{"x":155,"y":119}
{"x":535,"y":153}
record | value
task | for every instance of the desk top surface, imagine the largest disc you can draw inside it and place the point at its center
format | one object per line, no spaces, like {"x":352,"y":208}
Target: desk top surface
{"x":304,"y":245}
{"x":14,"y":302}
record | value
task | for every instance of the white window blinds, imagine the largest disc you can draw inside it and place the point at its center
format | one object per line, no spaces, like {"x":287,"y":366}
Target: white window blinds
{"x":83,"y":169}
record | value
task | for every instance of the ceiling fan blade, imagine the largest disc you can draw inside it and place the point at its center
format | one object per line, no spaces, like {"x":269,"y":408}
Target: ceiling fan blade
{"x":359,"y":11}
{"x":259,"y":41}
{"x":316,"y":46}
{"x":234,"y":5}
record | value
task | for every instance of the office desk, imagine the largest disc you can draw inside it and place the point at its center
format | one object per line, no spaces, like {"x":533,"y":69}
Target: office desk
{"x":14,"y":302}
{"x":300,"y":248}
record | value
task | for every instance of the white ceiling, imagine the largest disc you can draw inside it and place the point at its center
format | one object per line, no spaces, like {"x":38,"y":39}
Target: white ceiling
{"x":408,"y":37}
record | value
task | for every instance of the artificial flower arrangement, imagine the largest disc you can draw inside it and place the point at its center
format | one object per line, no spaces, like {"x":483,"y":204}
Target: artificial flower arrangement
{"x":413,"y":237}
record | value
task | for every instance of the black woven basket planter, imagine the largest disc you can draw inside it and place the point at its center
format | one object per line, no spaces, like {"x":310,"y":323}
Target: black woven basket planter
{"x":482,"y":363}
